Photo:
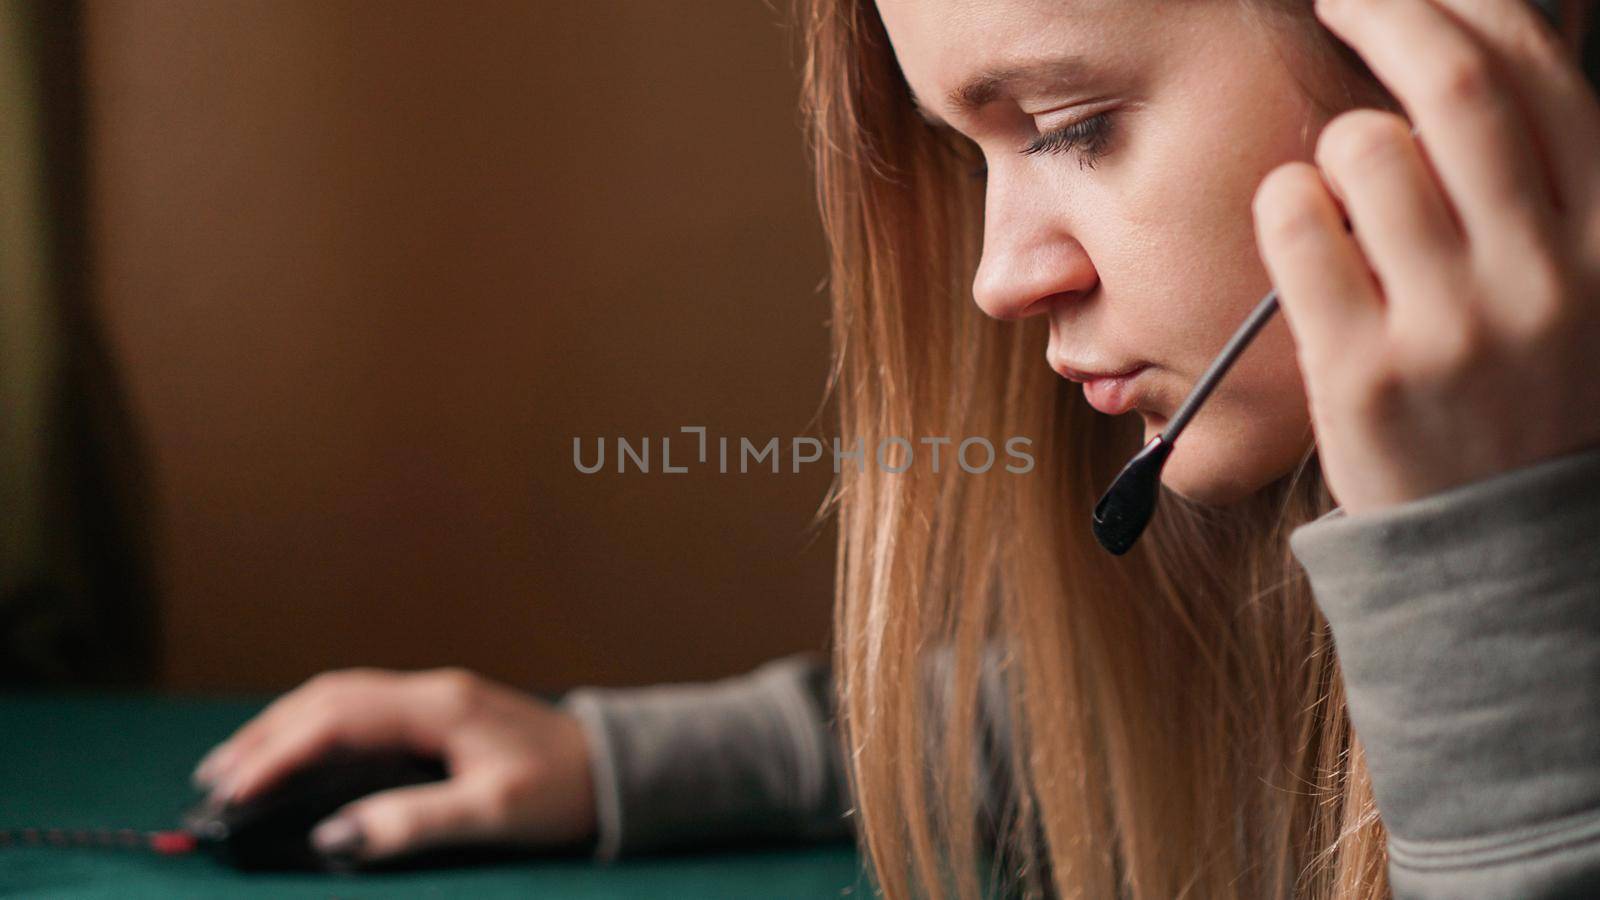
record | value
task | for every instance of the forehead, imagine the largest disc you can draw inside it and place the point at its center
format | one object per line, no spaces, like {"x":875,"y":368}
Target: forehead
{"x":945,"y":44}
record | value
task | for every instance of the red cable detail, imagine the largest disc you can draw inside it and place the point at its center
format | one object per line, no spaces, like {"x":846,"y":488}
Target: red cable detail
{"x":172,"y":843}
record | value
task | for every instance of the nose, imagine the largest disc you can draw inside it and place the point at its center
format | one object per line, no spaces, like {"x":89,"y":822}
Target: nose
{"x":1029,"y":257}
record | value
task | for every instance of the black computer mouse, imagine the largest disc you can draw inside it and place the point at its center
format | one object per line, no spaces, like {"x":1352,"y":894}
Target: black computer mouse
{"x":272,"y":830}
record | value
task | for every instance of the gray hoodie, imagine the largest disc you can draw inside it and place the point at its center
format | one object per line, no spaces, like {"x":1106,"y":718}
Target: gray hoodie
{"x":1468,"y":628}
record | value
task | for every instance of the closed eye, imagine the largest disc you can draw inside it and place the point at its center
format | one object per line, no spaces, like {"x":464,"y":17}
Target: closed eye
{"x":1090,"y":137}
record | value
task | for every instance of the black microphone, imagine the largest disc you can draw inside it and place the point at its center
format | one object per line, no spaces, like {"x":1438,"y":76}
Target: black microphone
{"x":1129,"y":504}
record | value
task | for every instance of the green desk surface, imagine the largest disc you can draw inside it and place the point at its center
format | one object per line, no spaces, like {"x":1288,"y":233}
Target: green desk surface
{"x":96,"y":761}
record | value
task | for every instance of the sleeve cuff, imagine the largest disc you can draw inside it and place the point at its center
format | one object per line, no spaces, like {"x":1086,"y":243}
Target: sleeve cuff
{"x":1468,"y":629}
{"x":742,"y":759}
{"x":585,"y":706}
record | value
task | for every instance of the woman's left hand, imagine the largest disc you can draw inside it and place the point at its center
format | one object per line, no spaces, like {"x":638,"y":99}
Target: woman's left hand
{"x":1454,"y":332}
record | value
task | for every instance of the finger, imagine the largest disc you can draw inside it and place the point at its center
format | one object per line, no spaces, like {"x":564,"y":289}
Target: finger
{"x":214,"y":762}
{"x":358,"y":708}
{"x":1475,"y":132}
{"x":1559,"y":100}
{"x":1327,"y":293}
{"x":407,"y":820}
{"x":277,"y":755}
{"x":217,"y":764}
{"x":1397,"y":211}
{"x":319,"y":730}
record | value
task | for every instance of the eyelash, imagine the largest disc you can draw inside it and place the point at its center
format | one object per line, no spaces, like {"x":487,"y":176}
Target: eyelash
{"x":1088,"y":136}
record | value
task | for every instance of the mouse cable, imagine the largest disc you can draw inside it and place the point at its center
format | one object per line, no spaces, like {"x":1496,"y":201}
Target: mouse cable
{"x":166,"y":843}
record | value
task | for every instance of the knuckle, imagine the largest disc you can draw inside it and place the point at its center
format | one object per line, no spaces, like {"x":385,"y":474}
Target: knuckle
{"x":1343,"y":7}
{"x":1377,"y":392}
{"x":1287,"y":204}
{"x":1548,"y":327}
{"x":1361,"y":138}
{"x":499,"y":798}
{"x":1541,"y":298}
{"x":1449,"y":349}
{"x":324,"y":681}
{"x":1536,"y":41}
{"x":1461,"y":76}
{"x":339,"y":680}
{"x":398,"y":826}
{"x":459,"y":689}
{"x":322,"y":714}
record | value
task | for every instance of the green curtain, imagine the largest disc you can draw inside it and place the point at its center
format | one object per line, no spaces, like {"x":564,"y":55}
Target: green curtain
{"x":75,"y":598}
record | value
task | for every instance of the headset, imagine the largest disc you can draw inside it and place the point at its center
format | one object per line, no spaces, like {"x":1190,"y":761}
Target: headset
{"x":1127,"y":506}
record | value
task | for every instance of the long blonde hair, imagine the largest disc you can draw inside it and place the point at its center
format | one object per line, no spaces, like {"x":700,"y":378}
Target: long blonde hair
{"x":1180,"y":727}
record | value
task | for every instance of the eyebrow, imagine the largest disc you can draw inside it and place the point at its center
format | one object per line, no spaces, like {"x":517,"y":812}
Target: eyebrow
{"x":992,"y":84}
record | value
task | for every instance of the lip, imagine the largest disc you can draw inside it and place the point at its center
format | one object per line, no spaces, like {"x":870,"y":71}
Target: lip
{"x":1109,"y":392}
{"x":1086,"y":375}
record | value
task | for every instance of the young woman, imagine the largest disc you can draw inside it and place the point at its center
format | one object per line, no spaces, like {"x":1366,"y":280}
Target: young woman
{"x":1358,"y":650}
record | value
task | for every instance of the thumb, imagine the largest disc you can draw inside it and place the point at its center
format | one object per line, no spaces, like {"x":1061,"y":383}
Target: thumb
{"x":402,"y":821}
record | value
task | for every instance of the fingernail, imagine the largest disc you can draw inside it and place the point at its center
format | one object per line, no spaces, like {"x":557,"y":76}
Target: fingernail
{"x":210,"y":765}
{"x":224,"y":788}
{"x":339,"y":839}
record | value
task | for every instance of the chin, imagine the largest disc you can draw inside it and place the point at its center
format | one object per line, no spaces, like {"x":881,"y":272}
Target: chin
{"x":1205,"y":470}
{"x":1201,"y":485}
{"x":1221,"y":462}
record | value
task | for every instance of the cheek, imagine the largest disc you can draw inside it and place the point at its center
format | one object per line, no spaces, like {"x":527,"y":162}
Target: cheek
{"x":1188,"y":272}
{"x":1187,"y":251}
{"x":1186,"y":217}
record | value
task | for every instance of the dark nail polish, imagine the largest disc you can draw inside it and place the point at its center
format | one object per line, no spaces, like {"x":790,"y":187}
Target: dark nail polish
{"x":339,"y":841}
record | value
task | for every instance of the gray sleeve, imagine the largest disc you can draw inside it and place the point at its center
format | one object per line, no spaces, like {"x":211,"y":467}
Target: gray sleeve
{"x":755,"y":756}
{"x":1468,"y":628}
{"x":751,"y":757}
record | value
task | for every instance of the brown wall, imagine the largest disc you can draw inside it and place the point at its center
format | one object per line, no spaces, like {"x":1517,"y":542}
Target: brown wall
{"x":368,"y":269}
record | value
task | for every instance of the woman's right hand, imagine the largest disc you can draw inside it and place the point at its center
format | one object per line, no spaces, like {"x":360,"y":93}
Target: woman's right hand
{"x":519,"y":768}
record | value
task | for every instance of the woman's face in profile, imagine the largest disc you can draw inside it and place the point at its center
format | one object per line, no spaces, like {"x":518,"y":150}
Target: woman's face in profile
{"x":1130,"y":231}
